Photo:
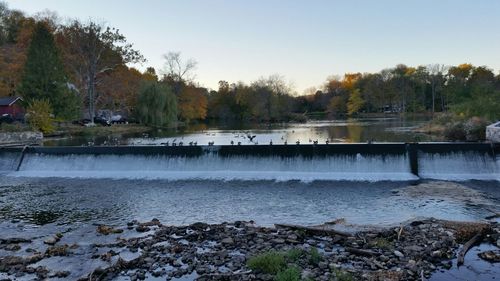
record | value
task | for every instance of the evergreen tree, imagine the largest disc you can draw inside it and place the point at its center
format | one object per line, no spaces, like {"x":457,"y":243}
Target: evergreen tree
{"x":44,"y":77}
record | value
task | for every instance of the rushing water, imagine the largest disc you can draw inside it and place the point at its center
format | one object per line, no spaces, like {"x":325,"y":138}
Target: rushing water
{"x":61,"y":200}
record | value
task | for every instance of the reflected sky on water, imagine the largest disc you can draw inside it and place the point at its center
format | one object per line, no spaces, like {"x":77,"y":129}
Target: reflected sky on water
{"x":338,"y":131}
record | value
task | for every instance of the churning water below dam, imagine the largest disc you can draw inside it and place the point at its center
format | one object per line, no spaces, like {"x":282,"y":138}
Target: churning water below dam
{"x":66,"y":201}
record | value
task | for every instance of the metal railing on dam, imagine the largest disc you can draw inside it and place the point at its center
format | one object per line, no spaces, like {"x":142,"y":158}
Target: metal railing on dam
{"x":358,"y":161}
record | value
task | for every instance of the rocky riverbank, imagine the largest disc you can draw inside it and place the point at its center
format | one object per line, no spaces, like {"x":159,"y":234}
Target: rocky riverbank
{"x":243,"y":251}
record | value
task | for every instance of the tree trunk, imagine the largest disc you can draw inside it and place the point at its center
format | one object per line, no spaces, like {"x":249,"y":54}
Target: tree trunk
{"x":433,"y":97}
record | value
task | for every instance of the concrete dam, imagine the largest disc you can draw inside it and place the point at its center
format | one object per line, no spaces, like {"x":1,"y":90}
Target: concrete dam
{"x":337,"y":162}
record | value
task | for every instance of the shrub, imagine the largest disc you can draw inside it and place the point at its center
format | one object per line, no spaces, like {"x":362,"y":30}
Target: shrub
{"x":294,"y":254}
{"x":16,"y":127}
{"x":475,"y":129}
{"x":289,"y":274}
{"x":455,"y":131}
{"x":270,"y":262}
{"x":343,"y":275}
{"x":314,"y":256}
{"x":39,"y":116}
{"x":382,"y":243}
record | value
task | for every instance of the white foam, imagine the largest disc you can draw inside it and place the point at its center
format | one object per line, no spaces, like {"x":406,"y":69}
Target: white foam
{"x":459,"y":166}
{"x":357,"y":168}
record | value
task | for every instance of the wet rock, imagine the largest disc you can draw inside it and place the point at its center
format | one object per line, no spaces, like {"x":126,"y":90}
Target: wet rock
{"x":142,"y":228}
{"x":106,"y":230}
{"x":51,"y":240}
{"x":12,"y":247}
{"x":491,"y":256}
{"x":153,"y":222}
{"x":60,"y":274}
{"x":61,"y":250}
{"x":14,"y":240}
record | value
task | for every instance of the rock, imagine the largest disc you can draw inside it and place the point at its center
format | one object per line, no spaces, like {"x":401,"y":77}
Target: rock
{"x":142,"y":228}
{"x":51,"y":240}
{"x":383,"y":258}
{"x":412,"y":265}
{"x":227,"y":241}
{"x":491,"y":256}
{"x":106,"y":230}
{"x":398,"y":254}
{"x":141,"y":275}
{"x":436,"y":254}
{"x":13,"y":247}
{"x":14,"y":240}
{"x":60,"y":274}
{"x":323,"y":265}
{"x":307,"y":274}
{"x":278,"y":241}
{"x":413,"y":248}
{"x":61,"y":250}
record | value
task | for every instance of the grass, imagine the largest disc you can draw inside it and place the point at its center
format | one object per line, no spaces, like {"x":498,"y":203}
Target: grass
{"x":98,"y":130}
{"x":314,"y":256}
{"x":289,"y":274}
{"x":12,"y":128}
{"x":382,"y":243}
{"x":293,"y":255}
{"x":270,"y":262}
{"x":343,"y":275}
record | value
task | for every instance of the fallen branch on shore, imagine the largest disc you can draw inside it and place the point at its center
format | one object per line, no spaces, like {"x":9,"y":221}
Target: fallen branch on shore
{"x":400,"y":232}
{"x":361,"y":252}
{"x":473,"y":241}
{"x":314,"y":230}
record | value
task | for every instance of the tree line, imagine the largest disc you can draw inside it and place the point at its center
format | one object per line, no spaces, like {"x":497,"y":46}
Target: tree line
{"x":77,"y":68}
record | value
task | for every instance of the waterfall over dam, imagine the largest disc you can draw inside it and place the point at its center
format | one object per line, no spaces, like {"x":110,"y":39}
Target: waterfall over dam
{"x":352,"y":162}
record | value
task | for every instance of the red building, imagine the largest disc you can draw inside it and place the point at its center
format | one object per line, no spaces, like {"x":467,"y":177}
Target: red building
{"x":12,"y":106}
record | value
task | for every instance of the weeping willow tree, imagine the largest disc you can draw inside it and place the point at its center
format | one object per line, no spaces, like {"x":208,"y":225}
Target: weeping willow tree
{"x":157,"y":105}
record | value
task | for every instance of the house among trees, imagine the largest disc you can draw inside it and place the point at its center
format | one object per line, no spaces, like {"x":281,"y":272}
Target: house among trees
{"x":12,"y":106}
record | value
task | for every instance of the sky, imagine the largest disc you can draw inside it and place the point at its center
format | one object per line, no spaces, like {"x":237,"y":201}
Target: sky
{"x":305,"y":41}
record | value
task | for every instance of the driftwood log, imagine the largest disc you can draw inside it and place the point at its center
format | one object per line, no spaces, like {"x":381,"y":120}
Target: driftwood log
{"x":473,"y":241}
{"x":314,"y":230}
{"x":360,"y":252}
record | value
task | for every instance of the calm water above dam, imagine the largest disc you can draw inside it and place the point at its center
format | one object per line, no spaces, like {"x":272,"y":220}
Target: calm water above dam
{"x":341,"y":131}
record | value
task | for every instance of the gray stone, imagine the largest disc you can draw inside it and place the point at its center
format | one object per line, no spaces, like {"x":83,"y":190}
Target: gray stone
{"x":227,"y":241}
{"x":398,"y":254}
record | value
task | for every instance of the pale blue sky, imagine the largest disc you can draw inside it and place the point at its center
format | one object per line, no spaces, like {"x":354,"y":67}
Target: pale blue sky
{"x":305,"y":41}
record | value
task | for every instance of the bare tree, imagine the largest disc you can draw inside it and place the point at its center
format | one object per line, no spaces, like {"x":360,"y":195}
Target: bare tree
{"x":436,"y":75}
{"x":177,"y":69}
